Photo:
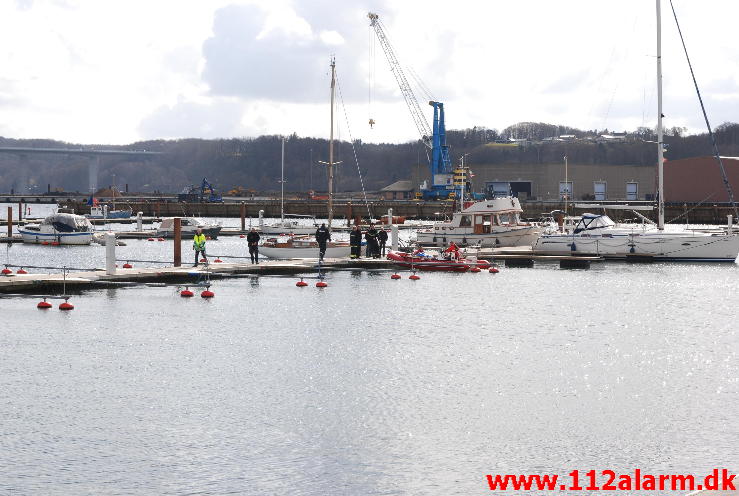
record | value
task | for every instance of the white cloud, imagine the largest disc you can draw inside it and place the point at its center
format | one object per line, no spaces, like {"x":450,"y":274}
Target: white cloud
{"x":114,"y":72}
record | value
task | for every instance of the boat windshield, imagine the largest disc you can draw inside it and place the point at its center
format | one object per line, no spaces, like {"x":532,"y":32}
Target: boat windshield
{"x":589,"y":222}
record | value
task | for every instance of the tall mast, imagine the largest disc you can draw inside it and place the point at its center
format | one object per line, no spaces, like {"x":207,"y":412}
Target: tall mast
{"x":331,"y":149}
{"x":282,"y":186}
{"x":660,"y":145}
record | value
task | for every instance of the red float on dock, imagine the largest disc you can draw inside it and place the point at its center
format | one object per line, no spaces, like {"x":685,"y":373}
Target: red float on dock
{"x":413,"y":277}
{"x":493,"y":270}
{"x":186,"y":293}
{"x":395,"y":276}
{"x":207,"y":294}
{"x":301,"y":283}
{"x":43,"y":305}
{"x":127,"y":266}
{"x":21,"y":271}
{"x":66,"y":306}
{"x":6,"y":271}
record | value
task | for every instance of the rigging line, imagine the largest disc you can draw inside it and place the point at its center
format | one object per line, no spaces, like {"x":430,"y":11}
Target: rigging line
{"x":691,"y":209}
{"x":351,"y":140}
{"x":727,"y":185}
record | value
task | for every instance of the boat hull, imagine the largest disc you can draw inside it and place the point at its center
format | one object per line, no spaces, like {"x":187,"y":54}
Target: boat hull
{"x":654,"y":245}
{"x":519,"y":236}
{"x":304,"y":252}
{"x":75,"y":238}
{"x":115,"y":214}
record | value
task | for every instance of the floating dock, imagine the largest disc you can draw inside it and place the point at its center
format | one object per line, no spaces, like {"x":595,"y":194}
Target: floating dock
{"x":17,"y":283}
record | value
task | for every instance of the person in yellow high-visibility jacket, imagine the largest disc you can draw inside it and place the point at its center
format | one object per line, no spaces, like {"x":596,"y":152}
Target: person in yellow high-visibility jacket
{"x":198,"y":244}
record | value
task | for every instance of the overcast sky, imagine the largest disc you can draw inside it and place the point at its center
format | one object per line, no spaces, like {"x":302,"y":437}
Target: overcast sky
{"x":109,"y":71}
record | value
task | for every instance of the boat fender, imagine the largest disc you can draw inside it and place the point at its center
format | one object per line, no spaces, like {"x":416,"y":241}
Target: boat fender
{"x":573,"y":246}
{"x":464,"y":240}
{"x":631,"y":250}
{"x":497,"y":241}
{"x":434,"y":240}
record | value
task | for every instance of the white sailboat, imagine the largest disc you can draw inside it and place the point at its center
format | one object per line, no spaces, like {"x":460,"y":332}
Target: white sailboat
{"x":305,"y":247}
{"x":289,"y":224}
{"x":599,"y":235}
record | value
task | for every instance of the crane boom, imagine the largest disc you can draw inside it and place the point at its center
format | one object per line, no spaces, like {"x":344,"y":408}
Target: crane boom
{"x":405,"y":88}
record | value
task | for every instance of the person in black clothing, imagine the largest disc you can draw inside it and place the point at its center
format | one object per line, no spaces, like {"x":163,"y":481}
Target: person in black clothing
{"x":373,"y":250}
{"x":382,"y":239}
{"x":355,"y":240}
{"x":323,"y":235}
{"x":252,"y":239}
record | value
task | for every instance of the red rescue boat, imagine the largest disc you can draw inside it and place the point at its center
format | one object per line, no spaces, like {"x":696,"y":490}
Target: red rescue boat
{"x":420,"y":260}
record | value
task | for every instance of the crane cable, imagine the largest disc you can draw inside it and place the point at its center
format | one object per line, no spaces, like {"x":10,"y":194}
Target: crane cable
{"x":371,"y":71}
{"x":351,"y":140}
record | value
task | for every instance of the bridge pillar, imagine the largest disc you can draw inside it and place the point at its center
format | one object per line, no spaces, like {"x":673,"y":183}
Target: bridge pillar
{"x":93,"y":166}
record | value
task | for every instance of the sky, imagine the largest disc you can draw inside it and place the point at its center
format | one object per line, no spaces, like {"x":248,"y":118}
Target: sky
{"x":115,"y":72}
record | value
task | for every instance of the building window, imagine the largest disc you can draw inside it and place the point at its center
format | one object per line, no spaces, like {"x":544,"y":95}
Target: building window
{"x":565,"y":190}
{"x":599,"y":190}
{"x":632,"y":191}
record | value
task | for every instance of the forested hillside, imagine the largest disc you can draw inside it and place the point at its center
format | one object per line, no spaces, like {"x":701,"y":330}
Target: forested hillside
{"x":254,"y":163}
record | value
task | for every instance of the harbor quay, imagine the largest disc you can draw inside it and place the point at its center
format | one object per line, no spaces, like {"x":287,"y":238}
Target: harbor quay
{"x":153,"y":208}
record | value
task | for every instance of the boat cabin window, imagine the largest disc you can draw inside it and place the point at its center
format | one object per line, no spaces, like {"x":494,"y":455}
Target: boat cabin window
{"x":465,"y":221}
{"x":505,"y":219}
{"x":185,"y":222}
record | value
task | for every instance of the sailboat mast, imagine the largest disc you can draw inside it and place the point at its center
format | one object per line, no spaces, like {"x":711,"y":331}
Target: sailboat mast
{"x":660,"y":145}
{"x":282,"y":186}
{"x":331,"y":149}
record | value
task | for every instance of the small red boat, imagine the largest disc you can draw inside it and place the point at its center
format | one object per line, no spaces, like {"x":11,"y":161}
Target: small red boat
{"x":422,"y":261}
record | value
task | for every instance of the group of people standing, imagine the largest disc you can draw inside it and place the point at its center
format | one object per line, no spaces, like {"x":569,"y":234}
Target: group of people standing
{"x":376,"y":242}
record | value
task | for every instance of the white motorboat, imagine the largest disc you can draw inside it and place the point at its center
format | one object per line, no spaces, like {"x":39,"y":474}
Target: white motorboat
{"x":488,"y":223}
{"x":61,"y":228}
{"x":599,"y":235}
{"x":298,"y":247}
{"x":188,"y":227}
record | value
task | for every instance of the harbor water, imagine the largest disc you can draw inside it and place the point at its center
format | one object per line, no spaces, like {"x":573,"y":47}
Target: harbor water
{"x":370,"y":386}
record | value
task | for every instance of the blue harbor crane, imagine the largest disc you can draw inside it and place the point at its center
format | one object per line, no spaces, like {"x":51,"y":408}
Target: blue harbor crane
{"x":440,"y":166}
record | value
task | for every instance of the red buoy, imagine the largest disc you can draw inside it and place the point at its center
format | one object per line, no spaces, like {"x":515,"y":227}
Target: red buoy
{"x":160,"y":239}
{"x":127,"y":266}
{"x":21,"y":271}
{"x":493,"y":270}
{"x":321,"y":284}
{"x":6,"y":271}
{"x":45,"y":243}
{"x":186,"y":293}
{"x":207,"y":294}
{"x":150,"y":239}
{"x":217,"y":260}
{"x":301,"y":283}
{"x":241,"y":236}
{"x":475,"y":269}
{"x":55,"y":243}
{"x":414,"y":277}
{"x":66,"y":306}
{"x":43,"y":305}
{"x":202,"y":260}
{"x":395,"y":276}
